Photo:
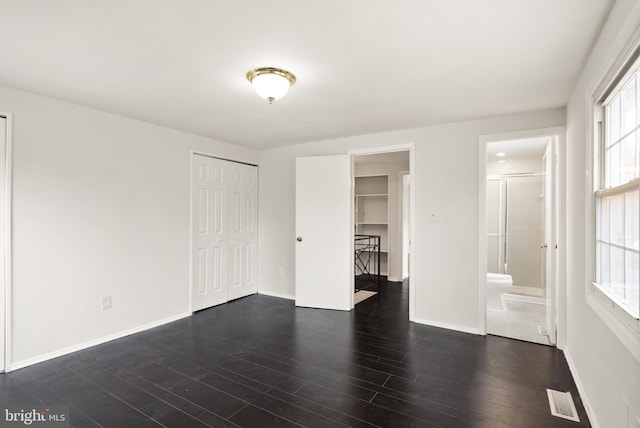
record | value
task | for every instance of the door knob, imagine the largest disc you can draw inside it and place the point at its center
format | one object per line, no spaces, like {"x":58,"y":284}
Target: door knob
{"x":299,"y":239}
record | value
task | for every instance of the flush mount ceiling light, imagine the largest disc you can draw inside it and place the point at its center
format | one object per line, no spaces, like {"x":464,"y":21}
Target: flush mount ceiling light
{"x":271,"y":83}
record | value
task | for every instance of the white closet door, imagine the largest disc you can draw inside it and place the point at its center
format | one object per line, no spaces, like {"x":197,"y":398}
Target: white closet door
{"x":323,"y":231}
{"x":209,"y":225}
{"x":243,"y":222}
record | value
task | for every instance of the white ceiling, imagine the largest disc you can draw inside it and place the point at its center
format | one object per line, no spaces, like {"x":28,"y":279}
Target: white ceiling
{"x":363,"y":66}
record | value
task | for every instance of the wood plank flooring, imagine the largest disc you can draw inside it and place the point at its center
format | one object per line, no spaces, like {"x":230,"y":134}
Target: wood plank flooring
{"x":261,"y":362}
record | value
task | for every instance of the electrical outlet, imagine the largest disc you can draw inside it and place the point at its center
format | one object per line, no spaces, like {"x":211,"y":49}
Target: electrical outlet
{"x":105,"y":302}
{"x":281,"y":270}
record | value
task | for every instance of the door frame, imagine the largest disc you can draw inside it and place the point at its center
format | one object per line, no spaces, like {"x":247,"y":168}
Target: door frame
{"x":6,"y":283}
{"x":550,"y":226}
{"x":403,"y":192}
{"x":192,"y":154}
{"x":410,"y":147}
{"x":557,"y":134}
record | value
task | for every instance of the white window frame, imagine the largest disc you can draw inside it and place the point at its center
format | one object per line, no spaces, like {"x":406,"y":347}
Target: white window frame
{"x":625,"y":325}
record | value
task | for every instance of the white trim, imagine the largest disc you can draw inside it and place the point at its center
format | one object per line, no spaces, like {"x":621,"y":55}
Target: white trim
{"x":381,"y":149}
{"x":410,"y":147}
{"x":524,"y":299}
{"x":372,"y":175}
{"x":108,"y":338}
{"x":482,"y":236}
{"x":393,"y":279}
{"x":191,"y":227}
{"x":278,"y":295}
{"x":561,"y":239}
{"x":401,"y":192}
{"x":6,"y":347}
{"x":606,"y":313}
{"x":581,"y":391}
{"x":412,"y":234}
{"x":352,"y":227}
{"x":448,"y":326}
{"x":619,"y":329}
{"x":559,"y":133}
{"x":613,"y":66}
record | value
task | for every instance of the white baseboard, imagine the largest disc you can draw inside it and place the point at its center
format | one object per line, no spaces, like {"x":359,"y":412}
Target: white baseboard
{"x":526,"y":291}
{"x":79,"y":347}
{"x":279,"y":295}
{"x":524,"y":299}
{"x":393,"y":279}
{"x":583,"y":396}
{"x":447,"y":326}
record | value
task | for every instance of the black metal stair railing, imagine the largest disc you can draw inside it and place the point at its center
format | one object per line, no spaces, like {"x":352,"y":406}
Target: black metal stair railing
{"x":367,"y":261}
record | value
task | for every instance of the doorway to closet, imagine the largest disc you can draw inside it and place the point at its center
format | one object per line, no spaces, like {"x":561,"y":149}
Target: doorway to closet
{"x":224,"y":231}
{"x":381,"y":222}
{"x":325,"y":228}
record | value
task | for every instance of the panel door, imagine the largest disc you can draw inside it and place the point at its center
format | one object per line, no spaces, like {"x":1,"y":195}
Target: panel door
{"x":209,"y":224}
{"x":243,"y":236}
{"x":323,"y":230}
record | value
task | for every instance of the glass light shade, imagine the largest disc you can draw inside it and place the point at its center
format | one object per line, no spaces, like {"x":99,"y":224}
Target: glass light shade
{"x":270,"y":86}
{"x":271,"y":83}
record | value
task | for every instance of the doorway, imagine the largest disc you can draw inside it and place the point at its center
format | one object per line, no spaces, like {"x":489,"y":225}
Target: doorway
{"x":330,"y":242}
{"x":518,"y":200}
{"x":380,"y":222}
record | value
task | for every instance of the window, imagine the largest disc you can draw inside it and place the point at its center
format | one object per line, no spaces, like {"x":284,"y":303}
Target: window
{"x":617,"y":190}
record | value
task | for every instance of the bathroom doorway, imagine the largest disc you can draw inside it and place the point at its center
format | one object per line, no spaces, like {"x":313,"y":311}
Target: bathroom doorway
{"x":520,"y":248}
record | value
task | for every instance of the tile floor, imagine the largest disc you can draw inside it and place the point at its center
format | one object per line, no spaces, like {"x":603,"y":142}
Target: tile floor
{"x":519,"y":321}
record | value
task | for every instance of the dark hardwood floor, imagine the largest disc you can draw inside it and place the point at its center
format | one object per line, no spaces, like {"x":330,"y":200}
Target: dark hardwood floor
{"x":261,"y":362}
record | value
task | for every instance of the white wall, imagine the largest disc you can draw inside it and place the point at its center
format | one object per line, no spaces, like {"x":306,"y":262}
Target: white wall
{"x":100,"y":206}
{"x":446,"y":181}
{"x":607,"y":371}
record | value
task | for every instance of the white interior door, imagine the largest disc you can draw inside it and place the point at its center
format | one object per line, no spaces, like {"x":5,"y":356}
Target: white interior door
{"x":549,"y":238}
{"x":323,"y":232}
{"x":209,"y":225}
{"x":3,"y":283}
{"x":243,"y":222}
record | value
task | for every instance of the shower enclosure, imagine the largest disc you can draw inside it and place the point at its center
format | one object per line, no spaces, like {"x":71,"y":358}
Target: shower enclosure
{"x":515,"y":229}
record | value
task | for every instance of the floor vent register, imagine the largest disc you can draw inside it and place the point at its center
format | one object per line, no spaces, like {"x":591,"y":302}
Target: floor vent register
{"x":562,"y":406}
